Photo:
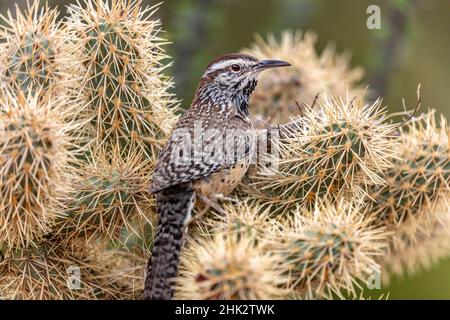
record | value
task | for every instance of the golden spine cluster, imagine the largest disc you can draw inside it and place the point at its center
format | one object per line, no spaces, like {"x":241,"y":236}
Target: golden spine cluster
{"x":33,"y":51}
{"x":421,"y":176}
{"x":85,"y":110}
{"x":330,"y":249}
{"x":229,"y":267}
{"x":35,"y":161}
{"x":338,"y":150}
{"x":124,"y":95}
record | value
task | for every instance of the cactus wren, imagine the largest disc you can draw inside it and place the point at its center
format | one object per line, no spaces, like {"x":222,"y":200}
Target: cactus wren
{"x":207,"y":154}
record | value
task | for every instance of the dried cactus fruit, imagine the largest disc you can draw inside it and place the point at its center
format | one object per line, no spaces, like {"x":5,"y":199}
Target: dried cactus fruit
{"x":339,"y":150}
{"x":421,"y":176}
{"x":31,"y":53}
{"x":330,"y":249}
{"x":127,"y":103}
{"x":35,"y":165}
{"x":228,"y":268}
{"x":310,"y":74}
{"x":111,"y":198}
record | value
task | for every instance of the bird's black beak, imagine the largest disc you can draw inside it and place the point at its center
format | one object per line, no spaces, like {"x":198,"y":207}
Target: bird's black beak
{"x":268,"y":64}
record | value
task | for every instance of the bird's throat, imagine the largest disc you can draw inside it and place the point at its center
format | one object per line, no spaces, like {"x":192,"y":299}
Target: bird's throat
{"x":208,"y":93}
{"x":241,"y":98}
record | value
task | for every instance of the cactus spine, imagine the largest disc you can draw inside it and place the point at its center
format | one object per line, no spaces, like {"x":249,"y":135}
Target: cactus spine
{"x":422,"y":174}
{"x":32,"y":51}
{"x":111,"y":193}
{"x":35,"y":159}
{"x":126,"y":96}
{"x":228,"y":268}
{"x":330,"y":249}
{"x":338,"y":151}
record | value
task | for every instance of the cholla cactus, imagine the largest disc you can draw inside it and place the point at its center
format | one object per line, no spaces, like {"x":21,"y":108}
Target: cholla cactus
{"x":228,"y":268}
{"x":118,"y":274}
{"x":339,"y":150}
{"x":419,"y":243}
{"x":244,"y":220}
{"x":51,"y":270}
{"x":127,"y":112}
{"x":422,"y":174}
{"x":43,"y":271}
{"x":35,"y":159}
{"x":111,"y":197}
{"x":330,"y":249}
{"x":309,"y":75}
{"x":31,"y":54}
{"x":125,"y":93}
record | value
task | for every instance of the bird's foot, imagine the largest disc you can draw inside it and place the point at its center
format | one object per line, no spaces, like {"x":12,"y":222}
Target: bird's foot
{"x":212,"y":203}
{"x":220,"y":196}
{"x":200,"y":214}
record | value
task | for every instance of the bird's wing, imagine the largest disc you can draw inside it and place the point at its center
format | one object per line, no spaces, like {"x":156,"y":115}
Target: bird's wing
{"x":198,"y":150}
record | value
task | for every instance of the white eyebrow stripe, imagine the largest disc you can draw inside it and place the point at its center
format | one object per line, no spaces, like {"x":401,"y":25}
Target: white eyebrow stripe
{"x":223,"y":64}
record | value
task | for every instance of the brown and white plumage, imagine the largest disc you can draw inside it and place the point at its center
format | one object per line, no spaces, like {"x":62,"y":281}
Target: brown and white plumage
{"x":208,"y":153}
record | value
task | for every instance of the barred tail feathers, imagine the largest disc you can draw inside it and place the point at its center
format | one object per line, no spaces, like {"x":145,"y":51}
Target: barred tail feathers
{"x":174,"y":207}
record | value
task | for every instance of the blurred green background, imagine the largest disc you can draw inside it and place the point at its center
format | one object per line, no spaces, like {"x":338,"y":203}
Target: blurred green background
{"x":412,"y":47}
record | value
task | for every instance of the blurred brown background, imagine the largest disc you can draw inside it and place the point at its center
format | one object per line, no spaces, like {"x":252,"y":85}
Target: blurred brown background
{"x":412,"y":46}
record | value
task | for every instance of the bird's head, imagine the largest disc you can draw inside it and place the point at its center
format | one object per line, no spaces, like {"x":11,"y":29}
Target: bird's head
{"x":236,"y":72}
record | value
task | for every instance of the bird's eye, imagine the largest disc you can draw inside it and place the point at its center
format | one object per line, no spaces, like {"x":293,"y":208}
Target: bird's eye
{"x":236,"y":67}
